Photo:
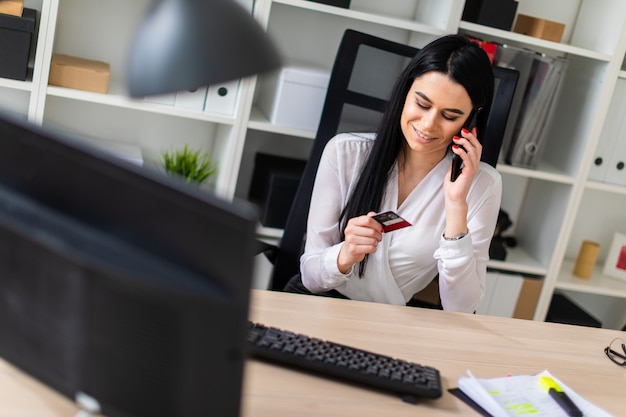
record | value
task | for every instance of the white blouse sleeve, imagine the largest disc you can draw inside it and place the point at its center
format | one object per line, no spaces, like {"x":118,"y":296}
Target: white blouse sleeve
{"x":339,"y":166}
{"x":462,"y":263}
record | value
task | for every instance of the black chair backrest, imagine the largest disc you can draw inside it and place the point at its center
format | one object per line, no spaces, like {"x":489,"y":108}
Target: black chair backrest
{"x":364,"y":72}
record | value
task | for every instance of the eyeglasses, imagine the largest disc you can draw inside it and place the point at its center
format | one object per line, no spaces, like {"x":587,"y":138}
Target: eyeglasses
{"x":614,"y":356}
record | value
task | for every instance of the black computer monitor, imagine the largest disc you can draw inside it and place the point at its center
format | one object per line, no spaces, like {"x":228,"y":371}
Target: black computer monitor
{"x":118,"y":281}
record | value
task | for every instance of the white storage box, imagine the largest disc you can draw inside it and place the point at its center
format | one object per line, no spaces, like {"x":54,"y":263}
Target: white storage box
{"x":164,"y":99}
{"x":191,"y":100}
{"x":294,"y":96}
{"x":222,"y":98}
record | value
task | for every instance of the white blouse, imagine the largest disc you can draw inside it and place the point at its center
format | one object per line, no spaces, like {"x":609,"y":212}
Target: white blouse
{"x":407,"y":259}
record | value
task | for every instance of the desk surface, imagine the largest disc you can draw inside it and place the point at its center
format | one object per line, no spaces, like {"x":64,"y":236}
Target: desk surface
{"x":451,"y":342}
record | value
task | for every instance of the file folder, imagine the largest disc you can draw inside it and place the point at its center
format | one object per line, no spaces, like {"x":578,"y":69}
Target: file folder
{"x":536,"y":114}
{"x":539,"y":84}
{"x":616,"y":164}
{"x":616,"y":169}
{"x":191,"y":99}
{"x":613,"y":132}
{"x":222,"y":98}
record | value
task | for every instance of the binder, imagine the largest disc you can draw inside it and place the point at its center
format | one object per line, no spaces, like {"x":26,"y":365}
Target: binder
{"x":613,"y":133}
{"x":538,"y":88}
{"x":540,"y":97}
{"x":163,"y":99}
{"x":222,"y":98}
{"x":507,"y":56}
{"x":191,"y":100}
{"x":616,"y":166}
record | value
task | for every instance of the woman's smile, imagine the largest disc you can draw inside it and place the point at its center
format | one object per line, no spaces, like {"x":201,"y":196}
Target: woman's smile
{"x":435,"y":109}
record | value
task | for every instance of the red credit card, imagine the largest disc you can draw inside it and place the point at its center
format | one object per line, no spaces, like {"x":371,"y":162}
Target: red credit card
{"x":390,"y":221}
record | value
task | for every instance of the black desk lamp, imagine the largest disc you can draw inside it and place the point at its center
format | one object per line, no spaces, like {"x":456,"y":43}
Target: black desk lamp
{"x":185,"y":44}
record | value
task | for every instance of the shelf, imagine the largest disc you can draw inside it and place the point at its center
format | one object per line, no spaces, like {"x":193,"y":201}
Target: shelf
{"x":378,"y":19}
{"x":122,"y":101}
{"x":599,"y":283}
{"x":16,"y":84}
{"x":544,"y":172}
{"x":269,"y":232}
{"x":545,"y":203}
{"x":609,"y":188}
{"x":504,"y":36}
{"x":518,"y":260}
{"x":258,"y":121}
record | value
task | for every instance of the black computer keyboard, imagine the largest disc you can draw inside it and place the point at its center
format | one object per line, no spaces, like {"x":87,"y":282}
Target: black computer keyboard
{"x":408,"y":379}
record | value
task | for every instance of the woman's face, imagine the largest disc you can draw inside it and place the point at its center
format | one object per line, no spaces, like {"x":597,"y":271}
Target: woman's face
{"x":435,"y":109}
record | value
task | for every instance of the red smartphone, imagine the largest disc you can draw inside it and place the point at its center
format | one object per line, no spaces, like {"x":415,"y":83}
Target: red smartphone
{"x":457,"y":162}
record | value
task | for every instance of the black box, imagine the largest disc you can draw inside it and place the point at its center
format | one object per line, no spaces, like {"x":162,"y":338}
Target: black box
{"x":563,"y":310}
{"x":16,"y":35}
{"x":339,"y":3}
{"x":273,"y":187}
{"x":495,"y":13}
{"x":280,"y":195}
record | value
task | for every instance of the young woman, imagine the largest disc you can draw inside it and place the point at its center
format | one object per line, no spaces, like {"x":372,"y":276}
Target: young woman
{"x":405,"y":167}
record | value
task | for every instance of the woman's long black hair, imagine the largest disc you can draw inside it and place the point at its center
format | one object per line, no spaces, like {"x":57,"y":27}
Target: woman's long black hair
{"x":454,"y":55}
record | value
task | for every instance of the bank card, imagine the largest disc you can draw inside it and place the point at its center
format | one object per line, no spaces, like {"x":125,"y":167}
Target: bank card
{"x":390,"y":221}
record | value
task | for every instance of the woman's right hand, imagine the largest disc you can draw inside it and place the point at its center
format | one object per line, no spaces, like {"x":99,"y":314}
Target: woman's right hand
{"x":362,"y":235}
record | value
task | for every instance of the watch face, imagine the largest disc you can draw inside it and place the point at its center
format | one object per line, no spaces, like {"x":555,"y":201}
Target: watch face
{"x":390,"y":221}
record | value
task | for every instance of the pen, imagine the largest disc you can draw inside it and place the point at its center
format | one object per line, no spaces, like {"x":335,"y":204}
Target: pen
{"x":560,"y":396}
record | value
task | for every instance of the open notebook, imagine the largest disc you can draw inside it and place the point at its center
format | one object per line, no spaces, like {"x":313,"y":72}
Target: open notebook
{"x":519,"y":395}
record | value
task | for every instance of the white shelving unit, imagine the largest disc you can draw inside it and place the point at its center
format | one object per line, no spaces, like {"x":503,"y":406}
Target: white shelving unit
{"x":560,"y":208}
{"x":102,"y":31}
{"x":545,"y":202}
{"x":553,"y":207}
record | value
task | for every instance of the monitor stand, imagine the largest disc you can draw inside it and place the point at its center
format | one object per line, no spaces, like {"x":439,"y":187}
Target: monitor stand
{"x":88,"y":405}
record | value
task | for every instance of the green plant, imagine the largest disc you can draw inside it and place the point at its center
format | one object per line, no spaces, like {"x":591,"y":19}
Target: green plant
{"x":190,"y":164}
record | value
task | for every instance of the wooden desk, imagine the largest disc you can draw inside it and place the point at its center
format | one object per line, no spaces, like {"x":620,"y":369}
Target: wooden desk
{"x":21,"y":395}
{"x":451,"y":342}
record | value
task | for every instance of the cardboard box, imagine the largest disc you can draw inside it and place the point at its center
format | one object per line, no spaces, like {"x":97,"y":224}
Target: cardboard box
{"x":12,"y":7}
{"x":294,"y":96}
{"x":16,"y":35}
{"x":539,"y":28}
{"x":79,"y":73}
{"x":428,"y":296}
{"x":527,"y":299}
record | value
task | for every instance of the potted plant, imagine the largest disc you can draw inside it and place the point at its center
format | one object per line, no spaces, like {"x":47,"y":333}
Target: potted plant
{"x":193,"y":165}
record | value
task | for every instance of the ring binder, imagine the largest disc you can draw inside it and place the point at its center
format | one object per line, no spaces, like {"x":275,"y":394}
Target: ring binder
{"x":539,"y":84}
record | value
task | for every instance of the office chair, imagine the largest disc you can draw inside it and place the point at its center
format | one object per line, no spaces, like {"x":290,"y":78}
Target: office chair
{"x":364,"y":72}
{"x":356,"y":97}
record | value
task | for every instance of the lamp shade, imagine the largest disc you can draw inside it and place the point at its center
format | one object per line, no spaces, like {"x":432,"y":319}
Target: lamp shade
{"x":185,"y":44}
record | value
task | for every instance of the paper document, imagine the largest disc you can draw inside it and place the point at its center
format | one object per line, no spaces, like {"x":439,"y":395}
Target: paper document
{"x":522,"y":395}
